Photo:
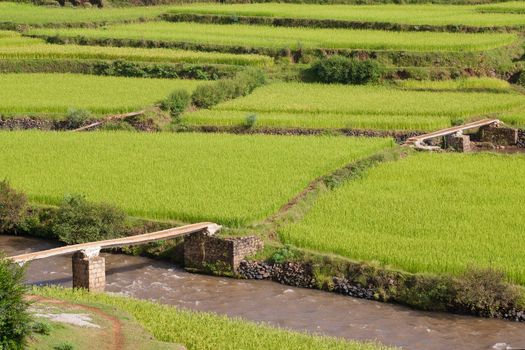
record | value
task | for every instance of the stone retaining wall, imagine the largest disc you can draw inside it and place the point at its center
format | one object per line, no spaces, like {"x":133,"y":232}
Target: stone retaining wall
{"x":203,"y":253}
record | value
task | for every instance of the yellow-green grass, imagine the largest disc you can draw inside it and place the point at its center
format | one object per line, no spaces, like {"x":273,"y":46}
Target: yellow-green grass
{"x":507,"y":8}
{"x":282,"y":37}
{"x":18,"y":13}
{"x":205,"y":331}
{"x":230,"y":179}
{"x":467,"y":84}
{"x":52,"y":95}
{"x":436,"y":213}
{"x":343,"y":106}
{"x":14,"y":46}
{"x":420,"y":14}
{"x":14,"y":39}
{"x":306,"y":120}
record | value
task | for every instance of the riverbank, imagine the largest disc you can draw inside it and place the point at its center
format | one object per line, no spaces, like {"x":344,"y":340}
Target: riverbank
{"x":293,"y":308}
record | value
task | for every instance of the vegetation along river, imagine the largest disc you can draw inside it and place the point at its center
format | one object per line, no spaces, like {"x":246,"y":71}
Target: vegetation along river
{"x":293,"y":308}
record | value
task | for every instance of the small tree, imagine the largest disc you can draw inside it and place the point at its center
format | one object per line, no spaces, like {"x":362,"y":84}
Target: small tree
{"x":13,"y":207}
{"x":79,"y":221}
{"x":14,"y":319}
{"x":344,"y":70}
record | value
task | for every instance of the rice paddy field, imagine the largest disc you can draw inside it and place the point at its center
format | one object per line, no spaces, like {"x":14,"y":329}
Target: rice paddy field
{"x":421,"y":14}
{"x":53,"y":95}
{"x":14,"y":46}
{"x":280,"y":37}
{"x":427,"y":213}
{"x":20,"y":13}
{"x":230,"y":179}
{"x":299,"y":105}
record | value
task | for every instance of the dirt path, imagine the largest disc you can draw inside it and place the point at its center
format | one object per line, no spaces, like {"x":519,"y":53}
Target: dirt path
{"x":117,"y":340}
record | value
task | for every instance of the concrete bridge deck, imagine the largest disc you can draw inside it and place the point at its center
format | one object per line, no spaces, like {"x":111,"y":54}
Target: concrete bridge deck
{"x":417,"y":141}
{"x":93,"y":248}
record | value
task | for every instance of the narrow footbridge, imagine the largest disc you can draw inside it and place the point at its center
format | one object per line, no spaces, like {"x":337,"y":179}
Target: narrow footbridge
{"x":418,"y":141}
{"x":89,"y":267}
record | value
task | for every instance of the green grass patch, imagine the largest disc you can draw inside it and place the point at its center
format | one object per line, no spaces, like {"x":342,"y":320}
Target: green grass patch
{"x":421,"y":14}
{"x":483,"y":84}
{"x":17,"y":47}
{"x":206,"y":331}
{"x":233,"y":35}
{"x":343,"y":106}
{"x":426,"y":213}
{"x":53,"y":94}
{"x":507,"y":8}
{"x":229,"y":179}
{"x":18,"y":13}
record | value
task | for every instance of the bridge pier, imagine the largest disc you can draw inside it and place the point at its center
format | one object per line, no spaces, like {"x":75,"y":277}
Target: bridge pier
{"x":89,"y":270}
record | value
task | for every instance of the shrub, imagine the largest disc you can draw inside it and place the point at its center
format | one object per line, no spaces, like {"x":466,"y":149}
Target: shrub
{"x":251,"y":121}
{"x":14,"y":319}
{"x":75,"y":118}
{"x":176,"y":102}
{"x":484,"y":292}
{"x":42,"y":328}
{"x":206,"y":96}
{"x":344,"y":70}
{"x":79,"y":221}
{"x":13,"y":208}
{"x":64,"y":346}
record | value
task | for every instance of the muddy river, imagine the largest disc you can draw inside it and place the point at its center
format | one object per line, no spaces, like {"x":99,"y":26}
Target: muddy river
{"x":283,"y":306}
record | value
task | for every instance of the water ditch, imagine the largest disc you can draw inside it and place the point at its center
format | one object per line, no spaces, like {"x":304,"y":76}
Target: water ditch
{"x":283,"y":306}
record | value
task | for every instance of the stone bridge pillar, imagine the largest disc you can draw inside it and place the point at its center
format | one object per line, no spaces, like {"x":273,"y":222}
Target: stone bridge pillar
{"x":89,"y":270}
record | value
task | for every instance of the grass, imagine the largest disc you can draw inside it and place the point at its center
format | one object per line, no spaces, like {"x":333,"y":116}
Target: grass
{"x":85,"y":338}
{"x":54,"y":94}
{"x":507,"y":8}
{"x":293,"y":38}
{"x":435,"y":213}
{"x":18,"y":47}
{"x":422,"y":14}
{"x":342,"y":106}
{"x":229,"y":179}
{"x":19,"y":13}
{"x":483,"y":84}
{"x":205,"y":331}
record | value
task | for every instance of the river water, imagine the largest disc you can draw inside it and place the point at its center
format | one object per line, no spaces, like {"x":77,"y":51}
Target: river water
{"x":293,"y":308}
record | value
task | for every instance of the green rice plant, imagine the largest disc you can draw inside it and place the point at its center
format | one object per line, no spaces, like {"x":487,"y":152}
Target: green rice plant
{"x":468,"y":84}
{"x":343,"y":106}
{"x":18,"y":47}
{"x":19,"y":13}
{"x":258,"y":36}
{"x":53,"y":94}
{"x":230,"y":179}
{"x":420,"y":14}
{"x":435,"y":213}
{"x":307,"y":120}
{"x":205,"y":331}
{"x":506,"y":8}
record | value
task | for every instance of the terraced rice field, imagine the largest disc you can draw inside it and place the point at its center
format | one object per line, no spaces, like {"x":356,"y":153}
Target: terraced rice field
{"x":279,"y":37}
{"x":426,"y":213}
{"x":14,"y":46}
{"x":19,"y":13}
{"x":425,"y":14}
{"x":296,"y":105}
{"x":190,"y":177}
{"x":53,"y":94}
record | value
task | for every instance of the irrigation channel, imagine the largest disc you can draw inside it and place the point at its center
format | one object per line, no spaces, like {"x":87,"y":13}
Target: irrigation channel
{"x":293,"y":308}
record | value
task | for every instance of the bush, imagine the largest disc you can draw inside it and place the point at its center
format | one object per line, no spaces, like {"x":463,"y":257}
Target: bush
{"x":344,"y":70}
{"x":14,"y":319}
{"x":42,"y":328}
{"x":13,"y":208}
{"x":206,"y":96}
{"x":484,"y":292}
{"x":79,"y":221}
{"x":75,"y":118}
{"x":176,"y":102}
{"x":64,"y":346}
{"x":251,"y":121}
